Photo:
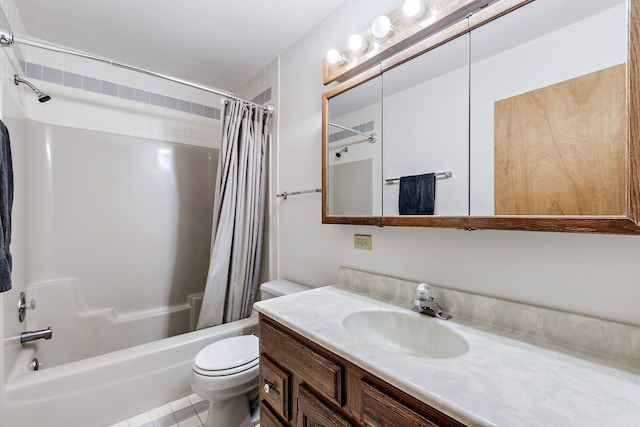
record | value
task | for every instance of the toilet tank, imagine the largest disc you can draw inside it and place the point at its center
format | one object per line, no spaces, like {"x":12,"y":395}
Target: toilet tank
{"x":278,"y":288}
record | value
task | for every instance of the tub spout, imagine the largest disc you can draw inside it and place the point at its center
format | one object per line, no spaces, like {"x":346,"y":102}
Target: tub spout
{"x":36,"y":335}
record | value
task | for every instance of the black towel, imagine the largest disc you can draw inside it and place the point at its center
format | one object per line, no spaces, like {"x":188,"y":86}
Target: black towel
{"x":6,"y":203}
{"x":417,"y":194}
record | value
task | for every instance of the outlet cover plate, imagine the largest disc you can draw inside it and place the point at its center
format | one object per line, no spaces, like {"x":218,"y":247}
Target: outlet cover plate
{"x":362,"y":241}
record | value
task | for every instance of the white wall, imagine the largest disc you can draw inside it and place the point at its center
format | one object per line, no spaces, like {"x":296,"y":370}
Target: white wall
{"x":585,"y":273}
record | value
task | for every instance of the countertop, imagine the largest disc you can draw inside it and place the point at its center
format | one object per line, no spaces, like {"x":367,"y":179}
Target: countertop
{"x":505,"y":379}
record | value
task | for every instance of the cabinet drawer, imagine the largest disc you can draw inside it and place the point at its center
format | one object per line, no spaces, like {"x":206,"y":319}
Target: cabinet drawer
{"x":326,"y":376}
{"x":378,"y":409}
{"x":268,"y":419}
{"x":274,"y":387}
{"x":313,"y":412}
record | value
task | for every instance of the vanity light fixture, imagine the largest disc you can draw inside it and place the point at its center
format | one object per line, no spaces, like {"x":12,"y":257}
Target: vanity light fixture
{"x":414,"y":9}
{"x":388,"y":34}
{"x":381,"y":27}
{"x":335,"y":57}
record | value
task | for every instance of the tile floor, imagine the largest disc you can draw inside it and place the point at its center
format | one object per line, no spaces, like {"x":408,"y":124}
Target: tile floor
{"x":189,"y":411}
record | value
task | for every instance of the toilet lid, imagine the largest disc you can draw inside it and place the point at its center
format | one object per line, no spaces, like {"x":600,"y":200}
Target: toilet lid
{"x":228,"y":354}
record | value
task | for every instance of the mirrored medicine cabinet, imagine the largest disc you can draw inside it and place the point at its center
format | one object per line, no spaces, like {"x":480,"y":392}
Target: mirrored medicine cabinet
{"x":521,"y":116}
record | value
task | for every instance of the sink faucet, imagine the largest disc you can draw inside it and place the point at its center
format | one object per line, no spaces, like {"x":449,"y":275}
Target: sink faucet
{"x":425,"y":304}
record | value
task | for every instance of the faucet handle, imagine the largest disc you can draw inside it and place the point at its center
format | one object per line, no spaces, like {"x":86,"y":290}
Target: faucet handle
{"x":423,"y":291}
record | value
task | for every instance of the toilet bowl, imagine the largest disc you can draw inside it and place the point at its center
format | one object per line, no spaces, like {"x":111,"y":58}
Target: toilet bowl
{"x":226,"y":372}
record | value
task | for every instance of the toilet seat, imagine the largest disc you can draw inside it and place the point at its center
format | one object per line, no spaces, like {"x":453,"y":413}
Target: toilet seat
{"x":228,"y":356}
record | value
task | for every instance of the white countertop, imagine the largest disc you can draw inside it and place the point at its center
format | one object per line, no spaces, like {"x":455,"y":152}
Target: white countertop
{"x":505,"y":379}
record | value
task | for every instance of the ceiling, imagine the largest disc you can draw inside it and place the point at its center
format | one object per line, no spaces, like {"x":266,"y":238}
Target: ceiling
{"x":220,"y":43}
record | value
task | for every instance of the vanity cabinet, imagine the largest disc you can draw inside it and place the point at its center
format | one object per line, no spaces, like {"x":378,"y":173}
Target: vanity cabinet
{"x":304,"y":384}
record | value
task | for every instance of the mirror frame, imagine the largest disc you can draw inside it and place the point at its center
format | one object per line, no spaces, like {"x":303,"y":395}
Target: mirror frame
{"x":623,"y":224}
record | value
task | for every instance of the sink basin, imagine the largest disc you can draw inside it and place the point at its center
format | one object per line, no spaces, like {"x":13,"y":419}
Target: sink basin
{"x":409,"y":333}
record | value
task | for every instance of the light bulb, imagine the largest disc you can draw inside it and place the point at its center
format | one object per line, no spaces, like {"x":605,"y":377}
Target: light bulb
{"x":335,"y":57}
{"x":355,"y":42}
{"x":413,"y":8}
{"x":381,"y":26}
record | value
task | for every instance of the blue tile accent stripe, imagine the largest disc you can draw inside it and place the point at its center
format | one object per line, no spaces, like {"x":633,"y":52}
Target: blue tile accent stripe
{"x":343,"y":134}
{"x":56,"y":76}
{"x":263,"y":97}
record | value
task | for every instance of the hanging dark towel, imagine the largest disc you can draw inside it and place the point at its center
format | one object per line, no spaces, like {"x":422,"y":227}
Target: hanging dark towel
{"x":6,"y":204}
{"x":417,"y":194}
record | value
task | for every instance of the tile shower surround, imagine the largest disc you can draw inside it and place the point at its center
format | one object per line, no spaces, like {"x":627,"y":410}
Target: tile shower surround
{"x":78,"y":81}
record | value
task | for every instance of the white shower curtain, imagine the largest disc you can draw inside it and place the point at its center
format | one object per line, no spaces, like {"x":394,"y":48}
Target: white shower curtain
{"x":238,"y":214}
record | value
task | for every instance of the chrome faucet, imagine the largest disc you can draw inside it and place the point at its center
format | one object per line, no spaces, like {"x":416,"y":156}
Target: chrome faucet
{"x":36,"y":335}
{"x":425,"y":304}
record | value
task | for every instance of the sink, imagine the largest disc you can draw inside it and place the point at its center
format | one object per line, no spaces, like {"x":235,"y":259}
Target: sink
{"x":406,"y":332}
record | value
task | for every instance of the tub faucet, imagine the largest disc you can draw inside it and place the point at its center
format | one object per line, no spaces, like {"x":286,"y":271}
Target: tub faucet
{"x":36,"y":335}
{"x":425,"y":304}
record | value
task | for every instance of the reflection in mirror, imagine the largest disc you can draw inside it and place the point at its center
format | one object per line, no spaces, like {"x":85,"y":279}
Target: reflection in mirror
{"x":426,"y":133}
{"x":548,"y":110}
{"x":354,"y":164}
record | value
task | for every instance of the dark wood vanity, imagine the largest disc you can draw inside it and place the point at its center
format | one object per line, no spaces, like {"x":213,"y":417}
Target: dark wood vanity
{"x":304,"y":384}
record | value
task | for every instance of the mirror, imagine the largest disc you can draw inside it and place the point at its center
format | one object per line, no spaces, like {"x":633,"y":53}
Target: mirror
{"x":548,"y":110}
{"x":524,"y":121}
{"x":354,"y":166}
{"x":426,"y":123}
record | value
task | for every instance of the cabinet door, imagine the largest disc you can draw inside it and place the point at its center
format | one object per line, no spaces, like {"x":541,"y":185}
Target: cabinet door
{"x":312,"y":412}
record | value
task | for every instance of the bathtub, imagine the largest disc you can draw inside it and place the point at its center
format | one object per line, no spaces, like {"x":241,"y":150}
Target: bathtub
{"x":109,"y":388}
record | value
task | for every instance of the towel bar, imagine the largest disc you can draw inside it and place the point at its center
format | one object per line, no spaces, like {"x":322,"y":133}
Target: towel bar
{"x":285,"y":194}
{"x":439,"y":175}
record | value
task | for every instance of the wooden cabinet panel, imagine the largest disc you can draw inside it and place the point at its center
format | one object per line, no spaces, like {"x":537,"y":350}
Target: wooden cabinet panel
{"x":274,"y":387}
{"x":312,"y":367}
{"x":379,"y":409}
{"x":560,"y":150}
{"x":314,"y":413}
{"x":269,"y":419}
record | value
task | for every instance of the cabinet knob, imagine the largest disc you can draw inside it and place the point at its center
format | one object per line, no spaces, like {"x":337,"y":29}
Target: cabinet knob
{"x":269,"y":387}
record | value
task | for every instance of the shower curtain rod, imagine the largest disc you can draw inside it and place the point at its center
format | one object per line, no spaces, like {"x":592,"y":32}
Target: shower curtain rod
{"x":7,"y":39}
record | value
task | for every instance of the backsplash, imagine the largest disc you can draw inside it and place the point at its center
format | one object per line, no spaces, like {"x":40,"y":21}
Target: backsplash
{"x":610,"y":339}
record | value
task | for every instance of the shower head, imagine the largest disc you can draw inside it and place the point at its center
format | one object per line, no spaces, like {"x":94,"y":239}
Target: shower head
{"x":42,"y":97}
{"x":344,"y":150}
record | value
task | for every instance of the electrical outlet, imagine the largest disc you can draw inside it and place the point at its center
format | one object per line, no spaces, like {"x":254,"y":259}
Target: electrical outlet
{"x":362,"y":241}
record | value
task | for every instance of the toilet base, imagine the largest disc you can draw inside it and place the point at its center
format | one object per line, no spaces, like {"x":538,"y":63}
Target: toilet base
{"x":230,"y":413}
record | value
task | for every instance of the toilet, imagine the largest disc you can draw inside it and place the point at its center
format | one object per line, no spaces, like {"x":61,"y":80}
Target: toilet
{"x":226,"y":372}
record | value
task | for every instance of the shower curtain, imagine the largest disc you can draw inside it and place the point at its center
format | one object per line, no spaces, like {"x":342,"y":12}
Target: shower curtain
{"x":238,"y":214}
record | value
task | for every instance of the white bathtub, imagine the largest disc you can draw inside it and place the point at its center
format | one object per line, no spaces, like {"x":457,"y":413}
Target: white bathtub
{"x":109,"y":388}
